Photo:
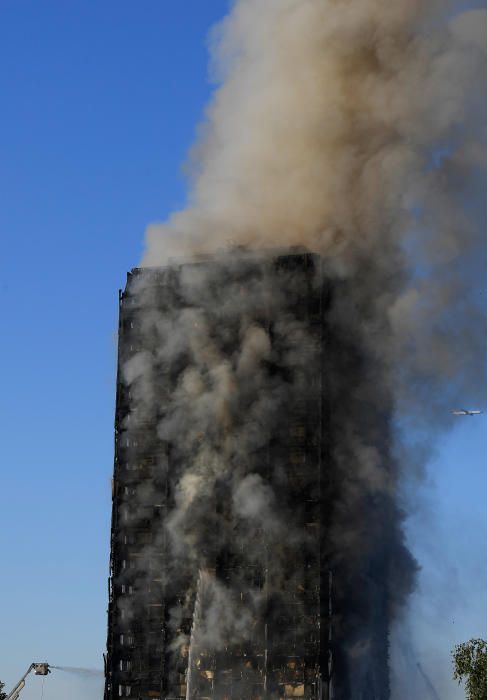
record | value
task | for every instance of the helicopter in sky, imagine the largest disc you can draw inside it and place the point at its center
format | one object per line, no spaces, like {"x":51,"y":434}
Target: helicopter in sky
{"x":466,"y":412}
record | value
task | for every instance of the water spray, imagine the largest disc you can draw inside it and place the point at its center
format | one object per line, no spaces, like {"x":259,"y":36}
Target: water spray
{"x":43,"y":669}
{"x":91,"y":672}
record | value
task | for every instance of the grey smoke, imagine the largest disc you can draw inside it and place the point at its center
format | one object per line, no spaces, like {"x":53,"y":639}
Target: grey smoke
{"x":325,"y":131}
{"x":354,"y":129}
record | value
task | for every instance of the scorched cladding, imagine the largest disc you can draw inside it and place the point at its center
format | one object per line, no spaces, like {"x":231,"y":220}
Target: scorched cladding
{"x":238,"y":400}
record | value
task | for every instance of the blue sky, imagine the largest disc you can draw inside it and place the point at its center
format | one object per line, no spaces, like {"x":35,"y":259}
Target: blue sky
{"x":100,"y":103}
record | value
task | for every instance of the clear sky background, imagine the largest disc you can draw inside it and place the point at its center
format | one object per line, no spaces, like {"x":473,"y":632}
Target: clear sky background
{"x":100,"y":101}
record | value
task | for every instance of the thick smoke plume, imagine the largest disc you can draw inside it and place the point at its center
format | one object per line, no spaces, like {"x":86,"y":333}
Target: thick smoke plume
{"x":354,"y":129}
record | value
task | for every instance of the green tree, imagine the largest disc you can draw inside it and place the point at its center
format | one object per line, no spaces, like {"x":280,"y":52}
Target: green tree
{"x":470,"y":666}
{"x":3,"y":695}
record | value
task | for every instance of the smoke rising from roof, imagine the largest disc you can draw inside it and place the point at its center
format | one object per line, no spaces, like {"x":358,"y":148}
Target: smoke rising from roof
{"x":351,"y":127}
{"x":354,"y":129}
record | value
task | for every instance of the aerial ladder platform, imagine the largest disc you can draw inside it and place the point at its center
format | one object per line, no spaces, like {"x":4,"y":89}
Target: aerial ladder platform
{"x":39,"y":669}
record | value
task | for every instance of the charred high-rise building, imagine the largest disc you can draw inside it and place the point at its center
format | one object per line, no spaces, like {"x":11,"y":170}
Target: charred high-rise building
{"x":254,"y":527}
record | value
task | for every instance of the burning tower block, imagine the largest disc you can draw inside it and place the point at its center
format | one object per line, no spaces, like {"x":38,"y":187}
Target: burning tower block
{"x":251,"y":548}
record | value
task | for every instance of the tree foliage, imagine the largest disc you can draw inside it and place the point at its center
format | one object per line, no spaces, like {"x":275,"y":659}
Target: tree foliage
{"x":3,"y":695}
{"x":470,"y":666}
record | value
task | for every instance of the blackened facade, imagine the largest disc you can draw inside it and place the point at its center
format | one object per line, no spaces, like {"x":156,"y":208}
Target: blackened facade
{"x":302,"y":621}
